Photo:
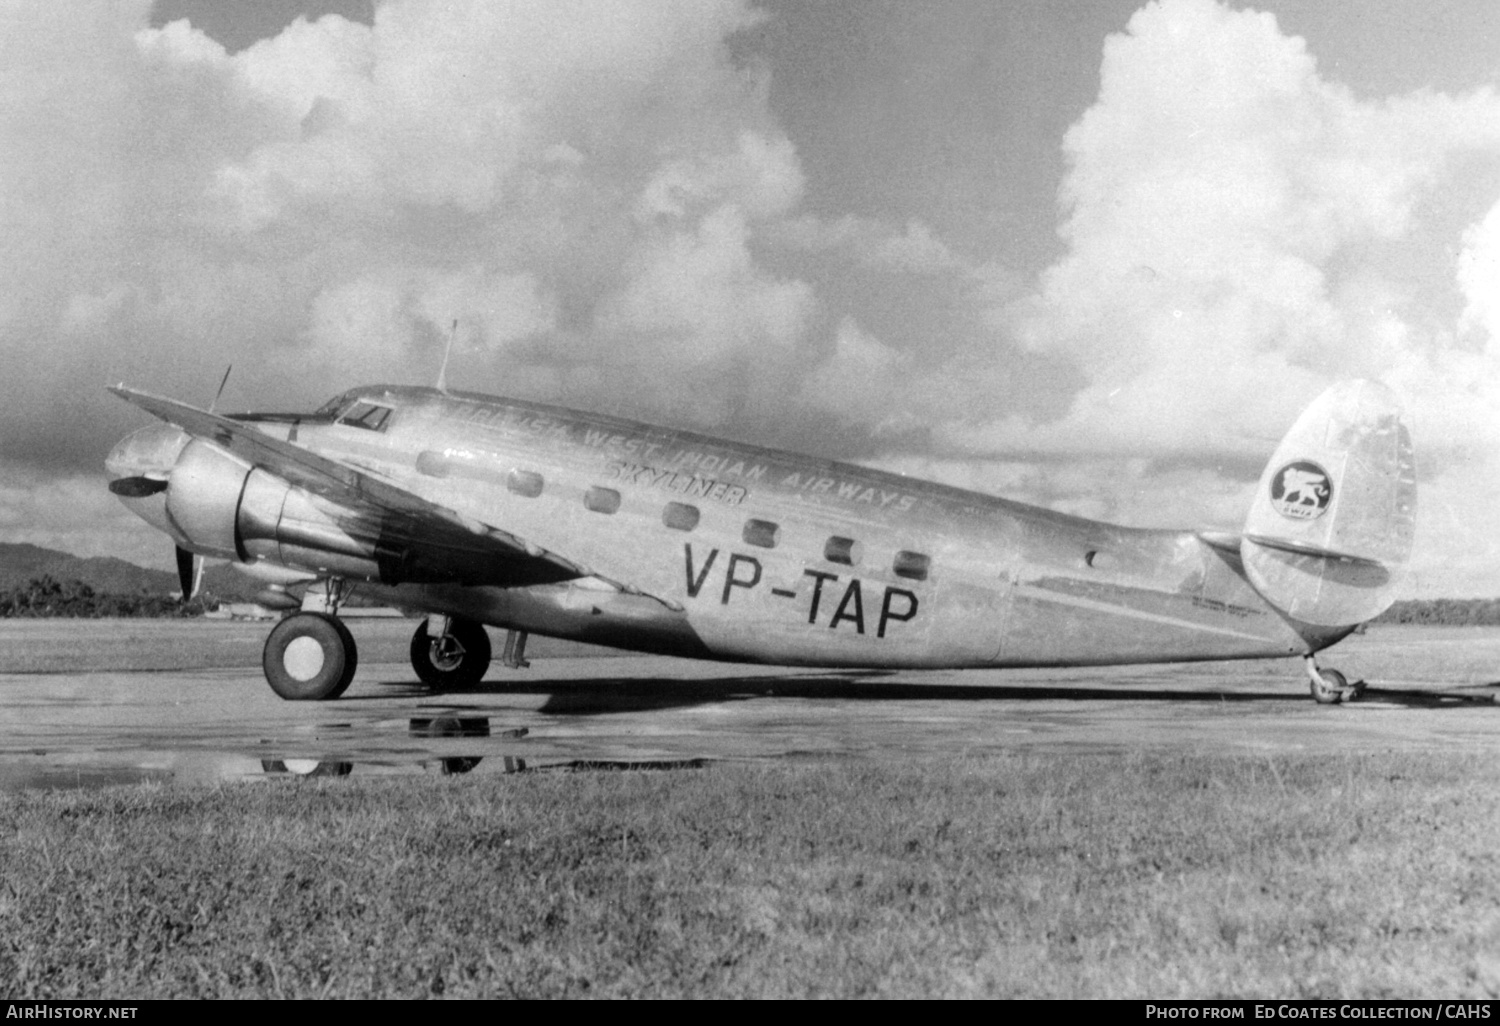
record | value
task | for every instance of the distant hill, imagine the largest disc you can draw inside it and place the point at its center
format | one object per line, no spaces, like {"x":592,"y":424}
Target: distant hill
{"x":20,"y":564}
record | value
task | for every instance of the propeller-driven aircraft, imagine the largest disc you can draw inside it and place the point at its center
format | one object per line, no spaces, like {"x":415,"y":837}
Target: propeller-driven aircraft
{"x":484,"y":511}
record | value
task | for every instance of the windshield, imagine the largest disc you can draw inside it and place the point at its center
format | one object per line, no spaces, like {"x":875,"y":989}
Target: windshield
{"x":333,"y":407}
{"x":365,"y":414}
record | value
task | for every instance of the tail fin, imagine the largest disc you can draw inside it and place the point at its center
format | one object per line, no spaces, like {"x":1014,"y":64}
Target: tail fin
{"x":1330,"y":531}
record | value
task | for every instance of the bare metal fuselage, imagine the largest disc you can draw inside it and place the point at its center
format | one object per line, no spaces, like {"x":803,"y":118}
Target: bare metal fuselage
{"x":741,"y":553}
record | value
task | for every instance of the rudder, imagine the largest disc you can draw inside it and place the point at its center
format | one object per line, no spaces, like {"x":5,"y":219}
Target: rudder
{"x":1330,"y":531}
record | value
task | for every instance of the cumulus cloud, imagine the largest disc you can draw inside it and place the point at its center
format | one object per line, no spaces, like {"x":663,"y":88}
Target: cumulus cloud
{"x":565,"y":180}
{"x":1230,"y":216}
{"x":1224,"y":208}
{"x":600,"y":195}
{"x":1479,"y":278}
{"x":861,"y":380}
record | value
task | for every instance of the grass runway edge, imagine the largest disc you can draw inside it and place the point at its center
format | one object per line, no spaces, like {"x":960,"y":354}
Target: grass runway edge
{"x":1031,"y":875}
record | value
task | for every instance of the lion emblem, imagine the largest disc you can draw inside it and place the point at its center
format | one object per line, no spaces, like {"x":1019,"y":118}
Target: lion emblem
{"x":1301,"y":490}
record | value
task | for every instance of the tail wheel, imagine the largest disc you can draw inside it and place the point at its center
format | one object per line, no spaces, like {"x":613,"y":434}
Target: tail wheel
{"x":1329,"y":687}
{"x":309,"y":657}
{"x":455,"y":661}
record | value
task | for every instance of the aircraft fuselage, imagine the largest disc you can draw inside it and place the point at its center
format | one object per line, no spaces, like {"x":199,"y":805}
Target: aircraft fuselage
{"x":742,"y":553}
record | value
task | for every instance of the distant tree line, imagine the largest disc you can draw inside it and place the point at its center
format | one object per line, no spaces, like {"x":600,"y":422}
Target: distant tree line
{"x":1444,"y":612}
{"x":44,"y":596}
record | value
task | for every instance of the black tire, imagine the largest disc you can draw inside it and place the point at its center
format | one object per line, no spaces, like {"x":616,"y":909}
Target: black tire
{"x":461,"y":666}
{"x":306,"y":768}
{"x":1331,"y":692}
{"x":312,"y":672}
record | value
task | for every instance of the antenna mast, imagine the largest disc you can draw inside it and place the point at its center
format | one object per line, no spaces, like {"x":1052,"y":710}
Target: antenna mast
{"x":222,"y":382}
{"x":442,"y":379}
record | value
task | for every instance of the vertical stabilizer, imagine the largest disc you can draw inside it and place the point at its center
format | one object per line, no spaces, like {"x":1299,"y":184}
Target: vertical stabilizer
{"x":1330,"y":530}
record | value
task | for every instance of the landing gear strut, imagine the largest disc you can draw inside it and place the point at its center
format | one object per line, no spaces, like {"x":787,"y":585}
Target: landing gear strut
{"x":1329,"y":687}
{"x":451,"y":655}
{"x":514,"y":655}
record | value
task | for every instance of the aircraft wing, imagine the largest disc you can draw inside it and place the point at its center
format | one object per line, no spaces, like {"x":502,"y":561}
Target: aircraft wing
{"x":402,"y":514}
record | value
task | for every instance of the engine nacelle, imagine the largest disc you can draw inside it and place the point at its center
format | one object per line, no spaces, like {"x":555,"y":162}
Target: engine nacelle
{"x":203,"y":500}
{"x":290,"y":527}
{"x":218,"y":505}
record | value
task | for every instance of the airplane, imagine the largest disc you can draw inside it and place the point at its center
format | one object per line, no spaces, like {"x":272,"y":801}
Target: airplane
{"x":481,"y":511}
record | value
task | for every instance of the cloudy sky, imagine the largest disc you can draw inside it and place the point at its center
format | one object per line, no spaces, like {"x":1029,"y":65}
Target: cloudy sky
{"x":1093,"y":255}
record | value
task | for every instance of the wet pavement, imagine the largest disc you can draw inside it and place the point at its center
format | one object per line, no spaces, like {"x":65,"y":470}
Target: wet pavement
{"x":89,"y":725}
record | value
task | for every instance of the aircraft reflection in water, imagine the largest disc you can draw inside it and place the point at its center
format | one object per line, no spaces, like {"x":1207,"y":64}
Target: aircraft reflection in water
{"x":480,"y":510}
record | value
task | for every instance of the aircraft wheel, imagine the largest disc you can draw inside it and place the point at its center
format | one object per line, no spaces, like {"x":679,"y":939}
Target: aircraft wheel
{"x":306,"y":767}
{"x":453,"y":663}
{"x":1329,"y":687}
{"x":309,"y":657}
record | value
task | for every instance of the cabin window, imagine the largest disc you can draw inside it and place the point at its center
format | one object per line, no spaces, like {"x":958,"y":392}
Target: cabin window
{"x":524,"y":482}
{"x":365,"y":415}
{"x":1097,"y":560}
{"x":912,"y":565}
{"x":432,"y":464}
{"x":601,"y":500}
{"x":841,"y":550}
{"x":762,"y":533}
{"x":679,"y":516}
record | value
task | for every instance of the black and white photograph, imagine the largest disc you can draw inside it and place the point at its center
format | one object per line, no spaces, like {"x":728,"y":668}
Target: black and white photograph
{"x":769,"y":499}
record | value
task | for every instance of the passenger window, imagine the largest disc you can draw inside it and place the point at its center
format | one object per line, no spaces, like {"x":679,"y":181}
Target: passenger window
{"x":762,"y":533}
{"x":841,"y":550}
{"x":367,"y":415}
{"x":525,"y":482}
{"x":912,"y":565}
{"x":679,"y":516}
{"x":601,"y":500}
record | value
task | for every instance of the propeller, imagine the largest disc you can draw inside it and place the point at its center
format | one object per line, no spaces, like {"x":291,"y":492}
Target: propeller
{"x":189,"y":573}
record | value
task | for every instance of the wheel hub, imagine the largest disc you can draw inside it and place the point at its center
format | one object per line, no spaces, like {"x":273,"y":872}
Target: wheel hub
{"x":447,"y":654}
{"x":303,"y":659}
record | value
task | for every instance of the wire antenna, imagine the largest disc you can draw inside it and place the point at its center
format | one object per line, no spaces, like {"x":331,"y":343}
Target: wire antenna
{"x":442,"y":381}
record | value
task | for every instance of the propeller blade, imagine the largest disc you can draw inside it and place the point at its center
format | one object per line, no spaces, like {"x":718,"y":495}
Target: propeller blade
{"x":189,"y":573}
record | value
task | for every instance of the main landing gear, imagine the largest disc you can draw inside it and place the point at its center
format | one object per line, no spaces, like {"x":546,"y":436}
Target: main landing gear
{"x":310,"y":656}
{"x":1329,"y":687}
{"x":452,"y":657}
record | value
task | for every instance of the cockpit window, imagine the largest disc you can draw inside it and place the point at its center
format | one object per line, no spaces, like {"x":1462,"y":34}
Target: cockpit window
{"x":330,"y":409}
{"x":369,"y":416}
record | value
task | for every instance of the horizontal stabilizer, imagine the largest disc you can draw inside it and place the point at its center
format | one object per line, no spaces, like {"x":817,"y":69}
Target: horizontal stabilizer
{"x":1306,"y":550}
{"x":1223,"y":540}
{"x":1331,"y":527}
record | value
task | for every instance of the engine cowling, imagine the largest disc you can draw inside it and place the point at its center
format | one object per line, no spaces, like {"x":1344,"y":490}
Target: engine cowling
{"x":203,"y":500}
{"x":218,"y":505}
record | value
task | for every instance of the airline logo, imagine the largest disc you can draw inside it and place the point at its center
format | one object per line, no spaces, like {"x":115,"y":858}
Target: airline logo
{"x":1301,"y":490}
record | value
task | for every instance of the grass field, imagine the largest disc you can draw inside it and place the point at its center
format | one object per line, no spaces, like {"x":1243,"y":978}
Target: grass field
{"x":1010,"y":876}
